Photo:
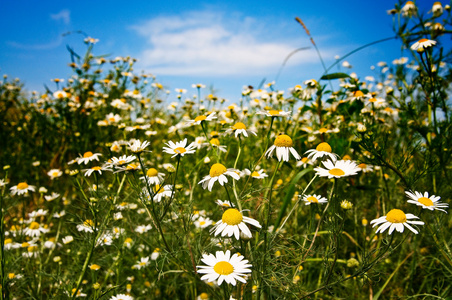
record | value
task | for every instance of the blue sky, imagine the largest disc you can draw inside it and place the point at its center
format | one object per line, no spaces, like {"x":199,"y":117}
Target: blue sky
{"x":224,"y":44}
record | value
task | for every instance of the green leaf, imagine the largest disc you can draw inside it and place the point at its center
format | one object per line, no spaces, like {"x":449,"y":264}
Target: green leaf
{"x":334,"y":76}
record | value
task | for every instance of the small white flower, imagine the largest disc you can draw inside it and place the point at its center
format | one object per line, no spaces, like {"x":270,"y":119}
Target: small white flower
{"x":218,"y":173}
{"x":323,"y":149}
{"x":337,"y":169}
{"x":87,"y":157}
{"x":179,"y":148}
{"x":232,"y":223}
{"x":317,"y":199}
{"x":426,"y":202}
{"x":283,"y":145}
{"x":422,"y":44}
{"x":137,"y":147}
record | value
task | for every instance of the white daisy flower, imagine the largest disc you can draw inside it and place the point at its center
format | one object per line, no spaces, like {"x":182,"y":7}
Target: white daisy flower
{"x":54,"y":173}
{"x":105,"y":239}
{"x":239,"y":128}
{"x":202,"y":222}
{"x":143,"y":228}
{"x":283,"y":145}
{"x":304,"y":162}
{"x":87,"y":226}
{"x":323,"y":149}
{"x":202,"y":118}
{"x":225,"y":203}
{"x":365,"y":168}
{"x":162,"y":192}
{"x":179,"y":148}
{"x":218,"y":172}
{"x":426,"y":202}
{"x":153,"y":176}
{"x":87,"y":157}
{"x":51,"y":197}
{"x":258,"y":174}
{"x":232,"y":223}
{"x":422,"y":44}
{"x":119,"y":161}
{"x":274,"y":113}
{"x":113,"y":118}
{"x":67,"y":239}
{"x":137,"y":147}
{"x":22,"y":188}
{"x":38,"y":213}
{"x":396,"y":219}
{"x":90,"y":171}
{"x":317,"y":199}
{"x":35,"y":230}
{"x":337,"y":169}
{"x":142,"y":263}
{"x":121,"y":297}
{"x":155,"y":254}
{"x":223,"y":267}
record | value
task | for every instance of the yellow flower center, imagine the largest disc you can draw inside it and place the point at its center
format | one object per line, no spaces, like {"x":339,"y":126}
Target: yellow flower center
{"x":324,"y":147}
{"x":128,"y":240}
{"x":396,"y":216}
{"x":223,"y":268}
{"x":159,"y":188}
{"x":8,"y":241}
{"x":132,"y":167}
{"x":312,"y":199}
{"x":88,"y":223}
{"x":200,"y":118}
{"x":204,"y":296}
{"x":180,"y":150}
{"x":94,"y":267}
{"x":215,"y":142}
{"x":358,"y":94}
{"x":25,"y":244}
{"x":283,"y":141}
{"x":323,"y":130}
{"x":232,"y":217}
{"x":336,"y":172}
{"x":304,"y":159}
{"x":11,"y":275}
{"x":34,"y":225}
{"x":425,"y":201}
{"x":32,"y":248}
{"x":255,"y":174}
{"x":274,"y":112}
{"x":422,"y":40}
{"x":201,"y":223}
{"x":88,"y":154}
{"x":372,"y":100}
{"x":96,"y":168}
{"x":239,"y":125}
{"x":111,"y":119}
{"x":152,"y":172}
{"x":121,"y":162}
{"x":362,"y":165}
{"x":22,"y":186}
{"x":216,"y":170}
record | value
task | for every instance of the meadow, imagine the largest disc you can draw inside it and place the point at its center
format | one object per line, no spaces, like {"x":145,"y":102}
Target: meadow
{"x":112,"y":187}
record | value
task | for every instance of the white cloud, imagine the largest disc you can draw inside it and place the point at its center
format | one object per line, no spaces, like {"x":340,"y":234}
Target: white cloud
{"x":212,"y":43}
{"x":64,"y":15}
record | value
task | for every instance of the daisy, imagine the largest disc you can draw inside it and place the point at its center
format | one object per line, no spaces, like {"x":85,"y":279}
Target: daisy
{"x":22,"y":188}
{"x":218,"y":172}
{"x":88,"y":172}
{"x":274,"y":113}
{"x":35,"y":230}
{"x":137,"y":147}
{"x":314,"y":199}
{"x":142,"y":263}
{"x":51,"y":197}
{"x":113,"y":118}
{"x":396,"y":219}
{"x":256,"y":174}
{"x":431,"y":203}
{"x":337,"y":169}
{"x":365,"y":168}
{"x":54,"y":173}
{"x":119,"y":161}
{"x":143,"y":228}
{"x":283,"y":145}
{"x":239,"y":128}
{"x":409,"y":9}
{"x":153,"y":176}
{"x":232,"y":223}
{"x":225,"y":203}
{"x":202,"y":118}
{"x":67,"y":239}
{"x":437,"y":9}
{"x":179,"y":148}
{"x":323,"y":149}
{"x":155,"y":254}
{"x":223,"y":267}
{"x":86,"y":226}
{"x":420,"y":45}
{"x":121,"y":297}
{"x":304,"y":162}
{"x":161,"y":192}
{"x":87,"y":157}
{"x":202,"y":222}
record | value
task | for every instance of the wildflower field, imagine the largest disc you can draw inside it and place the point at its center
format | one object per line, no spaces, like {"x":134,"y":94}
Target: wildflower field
{"x":338,"y":188}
